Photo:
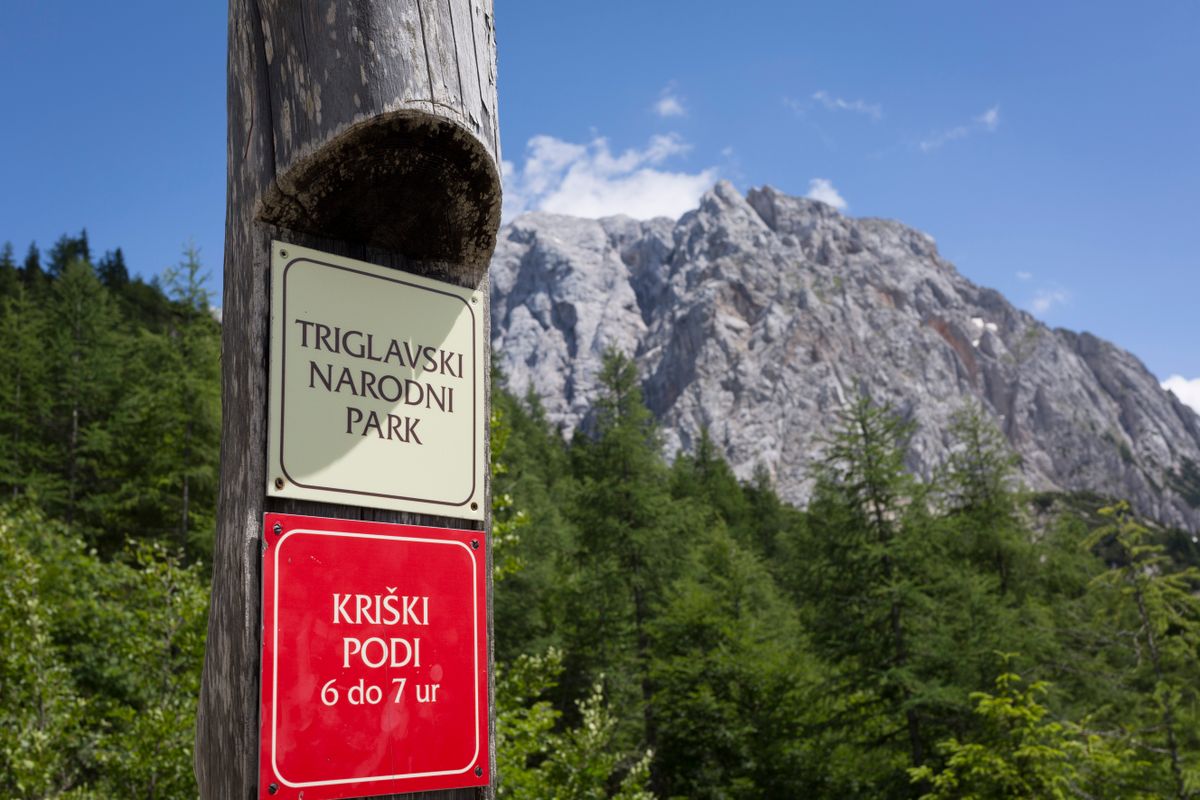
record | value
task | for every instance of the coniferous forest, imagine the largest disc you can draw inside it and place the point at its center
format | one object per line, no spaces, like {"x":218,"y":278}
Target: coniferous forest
{"x":662,"y":629}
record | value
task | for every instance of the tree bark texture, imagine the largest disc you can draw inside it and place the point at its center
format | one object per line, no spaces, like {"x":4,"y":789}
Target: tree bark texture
{"x":365,"y":128}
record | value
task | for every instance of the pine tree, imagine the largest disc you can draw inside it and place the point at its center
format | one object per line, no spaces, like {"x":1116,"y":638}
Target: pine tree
{"x":197,"y":385}
{"x":31,"y":267}
{"x":770,"y":524}
{"x":704,"y":477}
{"x":904,"y":627}
{"x":112,"y":270}
{"x":859,"y":517}
{"x":84,"y":351}
{"x":626,"y":527}
{"x":982,"y":505}
{"x":66,"y":250}
{"x":729,"y":668}
{"x":10,"y":274}
{"x":25,"y":467}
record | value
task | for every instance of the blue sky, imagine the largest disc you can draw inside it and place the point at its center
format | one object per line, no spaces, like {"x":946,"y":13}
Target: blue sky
{"x":1052,"y":149}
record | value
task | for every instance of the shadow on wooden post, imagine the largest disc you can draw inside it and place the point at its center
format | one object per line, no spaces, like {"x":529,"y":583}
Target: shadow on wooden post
{"x":365,"y":128}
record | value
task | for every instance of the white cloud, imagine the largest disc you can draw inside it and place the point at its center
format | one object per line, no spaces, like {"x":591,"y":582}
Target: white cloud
{"x":1023,"y":275}
{"x":1188,"y":391}
{"x":669,"y":103}
{"x":986,"y":122}
{"x":1046,"y":299}
{"x":872,"y":110}
{"x":669,"y":106}
{"x":588,"y":180}
{"x":939,"y":139}
{"x":822,"y":189}
{"x":990,"y":119}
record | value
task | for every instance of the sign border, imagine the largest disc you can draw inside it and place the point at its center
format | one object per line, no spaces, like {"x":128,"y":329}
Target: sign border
{"x":311,"y":526}
{"x":277,"y":380}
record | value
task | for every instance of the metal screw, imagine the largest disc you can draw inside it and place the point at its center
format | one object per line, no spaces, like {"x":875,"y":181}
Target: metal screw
{"x":283,"y":253}
{"x":474,"y":544}
{"x":278,"y":529}
{"x":279,"y":483}
{"x":273,"y":788}
{"x":474,"y":506}
{"x":479,"y":772}
{"x":474,"y":299}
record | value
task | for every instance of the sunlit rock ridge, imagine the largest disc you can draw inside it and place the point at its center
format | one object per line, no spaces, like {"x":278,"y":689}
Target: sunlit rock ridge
{"x":758,"y":316}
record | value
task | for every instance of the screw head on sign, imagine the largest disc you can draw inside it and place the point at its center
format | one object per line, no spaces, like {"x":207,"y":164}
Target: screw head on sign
{"x":273,"y":788}
{"x":283,"y":253}
{"x":279,"y":483}
{"x":479,"y":772}
{"x":278,"y":529}
{"x":474,"y":506}
{"x":474,"y":544}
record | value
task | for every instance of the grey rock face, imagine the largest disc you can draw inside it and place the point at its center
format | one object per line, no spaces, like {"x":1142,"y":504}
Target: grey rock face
{"x":758,"y":316}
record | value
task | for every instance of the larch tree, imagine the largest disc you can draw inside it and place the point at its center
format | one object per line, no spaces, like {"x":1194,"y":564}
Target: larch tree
{"x":1156,"y":608}
{"x":626,"y":525}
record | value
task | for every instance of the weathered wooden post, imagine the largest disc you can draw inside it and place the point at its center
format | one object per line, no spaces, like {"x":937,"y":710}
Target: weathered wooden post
{"x":364,"y":129}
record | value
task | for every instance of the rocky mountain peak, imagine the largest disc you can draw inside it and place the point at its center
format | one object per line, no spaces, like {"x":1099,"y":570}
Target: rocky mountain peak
{"x":756,"y":316}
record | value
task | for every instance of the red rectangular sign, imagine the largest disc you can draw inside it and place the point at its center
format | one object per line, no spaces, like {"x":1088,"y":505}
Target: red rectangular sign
{"x":374,"y":659}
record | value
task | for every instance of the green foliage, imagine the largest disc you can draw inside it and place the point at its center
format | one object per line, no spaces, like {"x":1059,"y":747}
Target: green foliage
{"x":507,"y":520}
{"x":100,"y":668}
{"x":40,"y":711}
{"x":1157,"y":610}
{"x":109,"y":409}
{"x":536,"y":760}
{"x":763,"y":651}
{"x":585,"y":760}
{"x":171,"y":415}
{"x":525,"y":722}
{"x":729,"y":666}
{"x":530,"y":602}
{"x":24,"y":453}
{"x":704,"y":477}
{"x":1021,"y":752}
{"x":81,"y":346}
{"x":109,"y":413}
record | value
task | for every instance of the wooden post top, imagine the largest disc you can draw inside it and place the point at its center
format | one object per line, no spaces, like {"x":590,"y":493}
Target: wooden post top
{"x":382,"y":122}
